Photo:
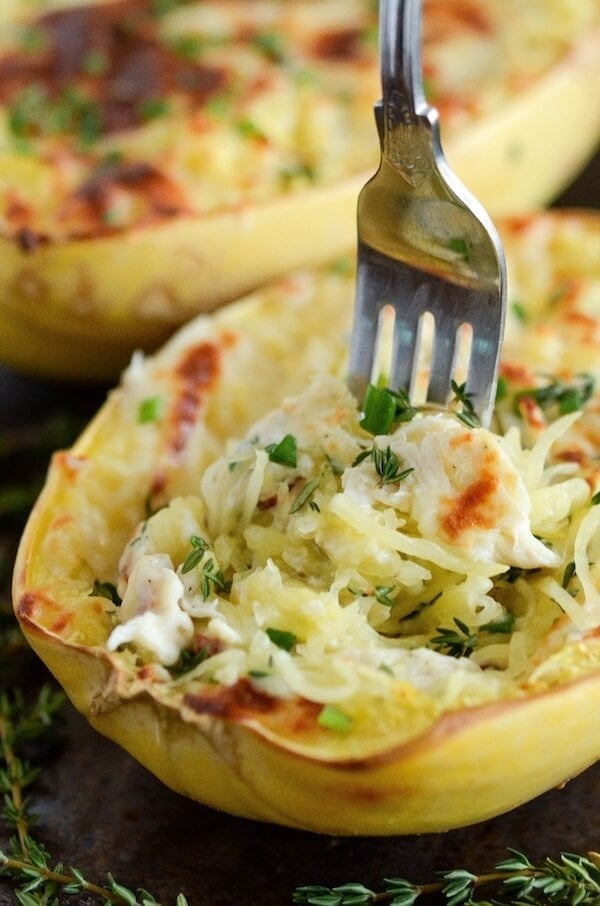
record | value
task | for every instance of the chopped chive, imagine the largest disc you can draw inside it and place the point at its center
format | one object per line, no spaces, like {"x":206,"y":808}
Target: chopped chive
{"x":568,"y":574}
{"x":333,"y":718}
{"x":285,"y":452}
{"x":149,"y":409}
{"x":282,"y":638}
{"x":105,"y":590}
{"x":379,"y":410}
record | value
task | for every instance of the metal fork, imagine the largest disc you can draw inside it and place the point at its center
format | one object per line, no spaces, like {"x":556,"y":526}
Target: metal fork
{"x":425,"y":244}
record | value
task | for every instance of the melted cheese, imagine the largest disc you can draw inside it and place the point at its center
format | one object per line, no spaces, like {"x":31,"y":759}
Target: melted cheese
{"x":321,"y":580}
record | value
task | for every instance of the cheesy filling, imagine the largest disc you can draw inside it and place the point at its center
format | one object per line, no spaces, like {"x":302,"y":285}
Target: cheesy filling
{"x":320,"y":561}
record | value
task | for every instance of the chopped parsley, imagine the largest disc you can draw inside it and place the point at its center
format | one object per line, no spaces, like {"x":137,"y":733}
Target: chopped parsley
{"x":282,"y":638}
{"x":333,"y":718}
{"x":285,"y":452}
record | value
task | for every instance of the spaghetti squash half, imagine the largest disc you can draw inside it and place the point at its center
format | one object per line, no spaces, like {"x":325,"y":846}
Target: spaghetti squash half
{"x":348,"y":620}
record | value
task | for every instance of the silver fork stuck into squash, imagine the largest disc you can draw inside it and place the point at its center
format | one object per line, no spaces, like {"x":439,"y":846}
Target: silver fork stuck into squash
{"x":425,"y":244}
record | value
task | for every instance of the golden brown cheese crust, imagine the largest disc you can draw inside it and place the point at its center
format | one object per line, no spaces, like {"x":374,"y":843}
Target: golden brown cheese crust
{"x":130,"y":116}
{"x":77,"y":79}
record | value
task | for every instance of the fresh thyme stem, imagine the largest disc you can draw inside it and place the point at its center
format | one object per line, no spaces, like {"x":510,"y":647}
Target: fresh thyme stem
{"x":16,"y":791}
{"x":25,"y":867}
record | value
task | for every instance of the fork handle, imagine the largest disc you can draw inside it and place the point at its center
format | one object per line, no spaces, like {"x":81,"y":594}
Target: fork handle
{"x":400,"y":53}
{"x":403,"y":101}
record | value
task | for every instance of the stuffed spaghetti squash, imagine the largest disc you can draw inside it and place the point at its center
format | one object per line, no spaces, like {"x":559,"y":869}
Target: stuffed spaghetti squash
{"x":158,"y":159}
{"x":276,"y":601}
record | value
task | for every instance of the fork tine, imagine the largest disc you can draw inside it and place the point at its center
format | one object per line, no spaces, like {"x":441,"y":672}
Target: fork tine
{"x":443,"y":358}
{"x":364,"y":342}
{"x":483,"y":364}
{"x":405,"y":346}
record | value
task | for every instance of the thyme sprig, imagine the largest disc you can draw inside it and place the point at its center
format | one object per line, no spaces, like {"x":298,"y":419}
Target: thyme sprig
{"x":26,"y":862}
{"x":572,"y":880}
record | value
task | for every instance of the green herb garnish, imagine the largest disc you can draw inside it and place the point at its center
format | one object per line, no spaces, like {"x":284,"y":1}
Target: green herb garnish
{"x":212,"y":580}
{"x":333,"y":718}
{"x":567,"y":397}
{"x":568,"y":574}
{"x":383,"y":594}
{"x":459,"y":642}
{"x":383,"y":408}
{"x":285,"y":452}
{"x":149,"y":409}
{"x":106,"y":590}
{"x":282,"y":638}
{"x":305,"y":494}
{"x":199,"y":547}
{"x":571,"y":880}
{"x":379,"y":410}
{"x":519,"y":311}
{"x":188,"y":660}
{"x":467,"y":413}
{"x":387,"y":464}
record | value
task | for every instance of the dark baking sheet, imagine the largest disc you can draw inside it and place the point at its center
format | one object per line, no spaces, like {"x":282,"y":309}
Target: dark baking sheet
{"x":100,"y":811}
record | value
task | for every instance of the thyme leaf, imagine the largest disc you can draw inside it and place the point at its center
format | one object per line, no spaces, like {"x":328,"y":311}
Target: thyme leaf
{"x":387,"y":464}
{"x":199,"y":548}
{"x":459,"y":642}
{"x":467,"y":412}
{"x":305,"y":495}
